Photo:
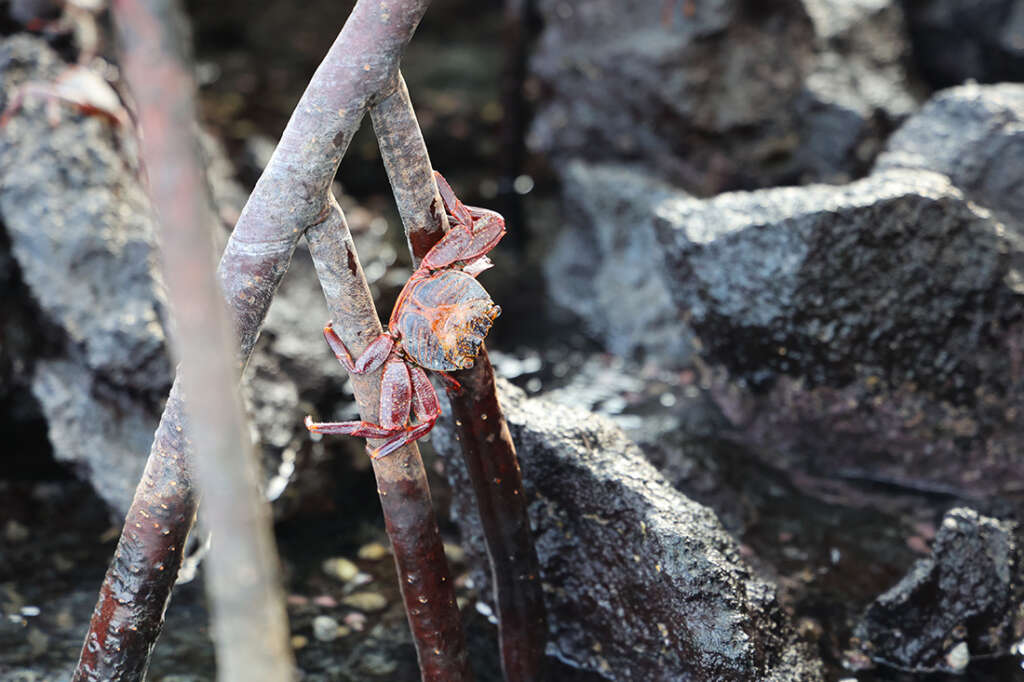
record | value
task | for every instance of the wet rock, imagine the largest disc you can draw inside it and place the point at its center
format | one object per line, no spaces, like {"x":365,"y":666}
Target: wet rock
{"x":85,"y":325}
{"x":858,"y":89}
{"x":964,"y":601}
{"x":373,"y":551}
{"x":599,"y":267}
{"x":885,"y":273}
{"x":340,"y":568}
{"x":640,"y":582}
{"x":957,"y":40}
{"x":975,"y":135}
{"x":724,"y":94}
{"x":325,"y":628}
{"x":79,"y":227}
{"x":877,"y":321}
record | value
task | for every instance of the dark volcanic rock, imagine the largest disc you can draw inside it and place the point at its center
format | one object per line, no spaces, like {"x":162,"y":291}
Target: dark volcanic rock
{"x":600,"y":265}
{"x":640,"y":582}
{"x":957,"y":40}
{"x":724,"y":94}
{"x":79,"y":227}
{"x":90,"y":337}
{"x":896,"y":275}
{"x":975,"y":135}
{"x":877,"y":321}
{"x":857,"y":90}
{"x":962,"y":602}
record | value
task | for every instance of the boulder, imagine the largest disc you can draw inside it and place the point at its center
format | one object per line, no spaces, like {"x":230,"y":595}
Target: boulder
{"x":964,"y":601}
{"x":85,"y":323}
{"x":724,"y":94}
{"x":78,"y":223}
{"x":640,"y":582}
{"x":877,"y":321}
{"x":600,"y":265}
{"x":975,"y":135}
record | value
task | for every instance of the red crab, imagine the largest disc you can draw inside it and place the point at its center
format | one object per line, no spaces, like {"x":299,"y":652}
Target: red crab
{"x":439,"y":322}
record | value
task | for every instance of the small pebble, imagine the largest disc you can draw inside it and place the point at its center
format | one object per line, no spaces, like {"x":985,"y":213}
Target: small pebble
{"x":325,"y":628}
{"x":373,"y":552}
{"x":62,"y":563}
{"x":361,"y":579}
{"x":958,"y":657}
{"x":377,"y":664}
{"x":455,"y":554}
{"x":65,"y":621}
{"x":38,"y":642}
{"x":299,"y":641}
{"x":355,"y":620}
{"x":366,"y":601}
{"x":340,"y":568}
{"x":15,"y":532}
{"x":325,"y":600}
{"x":30,"y":611}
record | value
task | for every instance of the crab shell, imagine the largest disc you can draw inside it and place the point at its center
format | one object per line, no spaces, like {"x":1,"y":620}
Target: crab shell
{"x":442,"y":318}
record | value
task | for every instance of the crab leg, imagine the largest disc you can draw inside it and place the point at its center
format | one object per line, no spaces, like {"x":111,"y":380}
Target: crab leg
{"x":424,"y":398}
{"x":452,"y":205}
{"x":372,"y":358}
{"x":402,"y":388}
{"x":354,"y":428}
{"x":465,"y":243}
{"x":426,"y":407}
{"x":395,"y":395}
{"x":407,"y":436}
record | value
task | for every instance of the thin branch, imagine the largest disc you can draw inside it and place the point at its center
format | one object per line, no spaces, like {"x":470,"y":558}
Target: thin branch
{"x":487,"y":445}
{"x":250,"y":625}
{"x":291,"y":194}
{"x":423,"y":572}
{"x":130,"y":611}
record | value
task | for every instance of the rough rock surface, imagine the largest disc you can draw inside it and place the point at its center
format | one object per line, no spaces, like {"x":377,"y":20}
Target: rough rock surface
{"x":723,"y":94}
{"x":957,"y":40}
{"x":82,"y":265}
{"x":599,"y":266}
{"x":895,"y":274}
{"x":966,"y":600}
{"x":79,"y":228}
{"x":878,"y":321}
{"x":640,"y":582}
{"x":975,"y":135}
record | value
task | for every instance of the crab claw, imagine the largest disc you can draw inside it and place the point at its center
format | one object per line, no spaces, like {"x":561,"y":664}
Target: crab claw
{"x":475,"y":267}
{"x":465,"y":329}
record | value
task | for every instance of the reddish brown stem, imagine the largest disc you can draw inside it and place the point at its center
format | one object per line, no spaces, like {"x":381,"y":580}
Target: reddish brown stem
{"x":291,"y":194}
{"x":493,"y":468}
{"x":487,"y":446}
{"x":130,"y":612}
{"x":423,"y":573}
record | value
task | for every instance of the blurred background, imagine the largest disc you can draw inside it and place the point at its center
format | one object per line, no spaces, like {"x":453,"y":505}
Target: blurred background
{"x":780,"y":244}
